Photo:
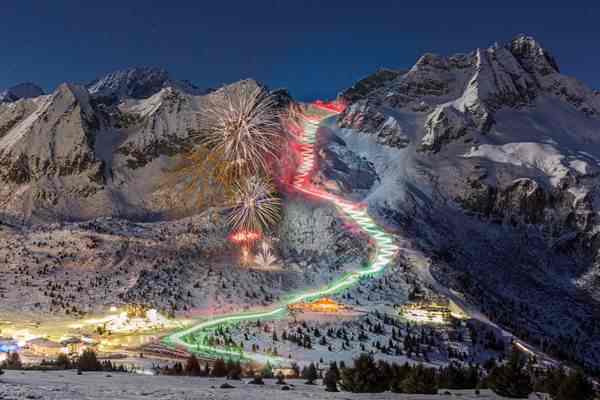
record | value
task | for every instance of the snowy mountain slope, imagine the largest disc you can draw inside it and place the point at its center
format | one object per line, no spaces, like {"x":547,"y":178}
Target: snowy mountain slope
{"x":72,"y":155}
{"x":167,"y":118}
{"x":490,"y":169}
{"x":186,"y":266}
{"x":48,"y":149}
{"x":12,"y":114}
{"x":463,"y":91}
{"x":483,"y":164}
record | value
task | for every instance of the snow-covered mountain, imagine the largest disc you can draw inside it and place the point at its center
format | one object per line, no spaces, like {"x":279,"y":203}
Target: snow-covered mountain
{"x":49,"y":138}
{"x":21,"y":91}
{"x":488,"y":162}
{"x":484,"y":165}
{"x":73,"y":155}
{"x":138,"y":83}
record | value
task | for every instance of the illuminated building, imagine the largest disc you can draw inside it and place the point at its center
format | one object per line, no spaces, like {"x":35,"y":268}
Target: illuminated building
{"x":434,"y":311}
{"x":134,"y":318}
{"x":8,"y":345}
{"x":324,"y":305}
{"x":73,"y":345}
{"x":287,"y":372}
{"x":46,"y":348}
{"x":136,"y":311}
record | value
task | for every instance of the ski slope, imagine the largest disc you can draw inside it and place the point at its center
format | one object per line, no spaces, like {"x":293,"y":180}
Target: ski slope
{"x":193,"y":338}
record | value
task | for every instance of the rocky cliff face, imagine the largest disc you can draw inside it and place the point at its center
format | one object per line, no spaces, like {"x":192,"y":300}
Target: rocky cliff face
{"x":490,"y":168}
{"x":54,"y":139}
{"x":47,"y":149}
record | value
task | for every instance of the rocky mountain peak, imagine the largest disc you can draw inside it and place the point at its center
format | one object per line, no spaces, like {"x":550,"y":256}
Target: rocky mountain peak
{"x":370,"y":83}
{"x":431,"y":60}
{"x":461,"y":94}
{"x":75,"y":94}
{"x":25,"y":90}
{"x":533,"y":57}
{"x":241,"y":83}
{"x":137,"y":83}
{"x":48,"y":150}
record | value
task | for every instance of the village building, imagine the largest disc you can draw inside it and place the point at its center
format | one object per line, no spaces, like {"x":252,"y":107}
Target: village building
{"x":435,"y":311}
{"x":45,"y":348}
{"x":74,"y":345}
{"x":287,"y":372}
{"x":325,"y":305}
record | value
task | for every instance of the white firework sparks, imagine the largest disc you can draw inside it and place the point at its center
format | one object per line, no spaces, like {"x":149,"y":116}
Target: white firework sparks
{"x":265,"y":258}
{"x":242,"y":123}
{"x":255,"y":205}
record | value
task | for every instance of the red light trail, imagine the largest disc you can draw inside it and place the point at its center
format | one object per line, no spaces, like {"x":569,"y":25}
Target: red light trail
{"x":193,"y":339}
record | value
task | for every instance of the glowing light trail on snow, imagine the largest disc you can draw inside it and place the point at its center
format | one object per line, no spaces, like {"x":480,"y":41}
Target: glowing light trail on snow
{"x":384,"y":247}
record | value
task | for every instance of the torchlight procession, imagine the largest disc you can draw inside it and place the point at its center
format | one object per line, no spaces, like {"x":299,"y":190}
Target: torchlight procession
{"x":181,"y":218}
{"x":193,"y":338}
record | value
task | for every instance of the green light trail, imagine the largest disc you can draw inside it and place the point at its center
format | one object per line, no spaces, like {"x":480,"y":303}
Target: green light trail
{"x":194,"y":338}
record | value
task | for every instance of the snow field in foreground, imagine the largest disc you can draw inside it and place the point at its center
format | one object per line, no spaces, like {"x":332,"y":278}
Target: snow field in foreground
{"x":97,"y":385}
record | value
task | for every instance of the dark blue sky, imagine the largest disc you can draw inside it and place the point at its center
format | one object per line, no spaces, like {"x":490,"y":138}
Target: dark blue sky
{"x":314,"y":48}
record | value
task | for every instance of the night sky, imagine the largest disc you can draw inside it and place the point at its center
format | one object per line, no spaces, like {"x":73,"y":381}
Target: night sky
{"x":313,"y":48}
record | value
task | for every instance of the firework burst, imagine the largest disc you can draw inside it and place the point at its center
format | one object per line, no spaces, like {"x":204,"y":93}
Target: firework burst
{"x":255,"y":206}
{"x":242,"y":124}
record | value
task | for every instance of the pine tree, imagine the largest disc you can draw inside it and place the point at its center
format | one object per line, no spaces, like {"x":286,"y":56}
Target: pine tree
{"x":511,"y":380}
{"x":310,"y":374}
{"x":192,"y":366}
{"x":219,"y":369}
{"x":296,"y":370}
{"x":575,"y":386}
{"x":267,"y":371}
{"x":63,"y":361}
{"x":399,"y":374}
{"x":362,"y":377}
{"x":280,"y":378}
{"x":206,"y":370}
{"x":472,"y":378}
{"x":178,"y":368}
{"x":13,"y":361}
{"x":88,"y":361}
{"x":330,"y":380}
{"x":234,"y":370}
{"x":420,"y":380}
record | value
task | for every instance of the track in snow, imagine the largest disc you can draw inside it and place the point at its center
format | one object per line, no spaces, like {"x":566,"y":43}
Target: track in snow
{"x":191,"y":338}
